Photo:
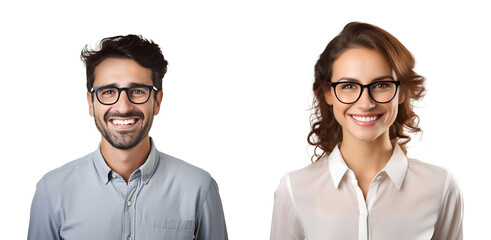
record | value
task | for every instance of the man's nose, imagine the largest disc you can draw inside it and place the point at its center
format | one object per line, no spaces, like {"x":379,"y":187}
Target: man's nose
{"x":123,"y":104}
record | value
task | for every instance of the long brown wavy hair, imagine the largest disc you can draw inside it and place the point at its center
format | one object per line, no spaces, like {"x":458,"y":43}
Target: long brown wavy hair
{"x":325,"y":130}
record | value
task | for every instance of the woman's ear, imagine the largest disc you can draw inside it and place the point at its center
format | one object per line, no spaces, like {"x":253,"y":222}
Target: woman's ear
{"x":402,"y":94}
{"x":402,"y":97}
{"x":327,"y":94}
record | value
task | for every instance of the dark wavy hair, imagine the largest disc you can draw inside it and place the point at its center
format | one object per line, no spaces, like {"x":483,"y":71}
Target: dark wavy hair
{"x":143,"y":51}
{"x":325,"y":130}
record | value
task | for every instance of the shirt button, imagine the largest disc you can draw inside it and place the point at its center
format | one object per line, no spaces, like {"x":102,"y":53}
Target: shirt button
{"x":145,"y":180}
{"x":129,"y":203}
{"x":128,"y":238}
{"x":379,"y":178}
{"x":114,"y":175}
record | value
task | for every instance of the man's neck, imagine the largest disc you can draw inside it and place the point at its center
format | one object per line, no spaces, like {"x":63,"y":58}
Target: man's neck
{"x":125,"y":162}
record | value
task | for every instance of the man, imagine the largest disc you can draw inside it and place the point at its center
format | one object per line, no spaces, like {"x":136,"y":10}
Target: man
{"x":126,"y":189}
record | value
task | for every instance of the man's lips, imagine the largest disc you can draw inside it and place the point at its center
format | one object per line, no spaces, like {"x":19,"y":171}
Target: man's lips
{"x":109,"y":116}
{"x":123,"y":121}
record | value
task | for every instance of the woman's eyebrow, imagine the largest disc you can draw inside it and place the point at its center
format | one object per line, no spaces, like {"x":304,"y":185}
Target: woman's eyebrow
{"x":348,"y":79}
{"x":383,"y":78}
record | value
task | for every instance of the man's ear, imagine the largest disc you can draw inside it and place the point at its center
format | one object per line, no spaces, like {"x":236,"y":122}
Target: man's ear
{"x":158,"y":101}
{"x":90,"y":101}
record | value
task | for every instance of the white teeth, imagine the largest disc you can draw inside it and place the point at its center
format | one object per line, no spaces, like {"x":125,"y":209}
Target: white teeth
{"x":123,"y":122}
{"x":365,"y":119}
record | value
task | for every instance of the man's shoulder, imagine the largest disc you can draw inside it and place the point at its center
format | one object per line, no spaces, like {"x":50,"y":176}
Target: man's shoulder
{"x":181,"y":169}
{"x":61,"y":174}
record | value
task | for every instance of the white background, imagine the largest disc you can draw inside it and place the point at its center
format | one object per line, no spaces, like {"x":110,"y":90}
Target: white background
{"x":237,"y":92}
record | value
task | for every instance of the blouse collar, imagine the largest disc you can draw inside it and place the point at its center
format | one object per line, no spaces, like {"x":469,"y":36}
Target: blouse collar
{"x":395,"y":168}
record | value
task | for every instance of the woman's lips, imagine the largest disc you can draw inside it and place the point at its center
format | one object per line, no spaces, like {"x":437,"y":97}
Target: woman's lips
{"x":366,"y":120}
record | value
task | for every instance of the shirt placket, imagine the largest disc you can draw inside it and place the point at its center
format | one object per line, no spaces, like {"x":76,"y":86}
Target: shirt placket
{"x":130,"y":208}
{"x":370,"y":201}
{"x":365,"y":207}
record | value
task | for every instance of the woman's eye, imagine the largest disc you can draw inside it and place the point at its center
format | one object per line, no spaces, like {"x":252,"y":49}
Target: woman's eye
{"x":348,"y":86}
{"x":381,"y":85}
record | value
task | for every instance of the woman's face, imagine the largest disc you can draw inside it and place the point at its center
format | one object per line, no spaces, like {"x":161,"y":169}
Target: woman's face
{"x":365,"y":119}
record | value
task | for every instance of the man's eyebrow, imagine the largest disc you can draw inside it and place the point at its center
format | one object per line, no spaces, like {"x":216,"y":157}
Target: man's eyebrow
{"x":135,"y":84}
{"x":385,"y":77}
{"x":109,"y":85}
{"x":131,"y":84}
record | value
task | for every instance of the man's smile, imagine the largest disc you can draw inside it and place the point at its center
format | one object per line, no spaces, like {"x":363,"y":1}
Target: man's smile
{"x":123,"y":123}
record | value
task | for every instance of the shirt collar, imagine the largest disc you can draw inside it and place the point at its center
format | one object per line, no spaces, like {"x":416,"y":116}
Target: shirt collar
{"x":337,"y":166}
{"x":396,"y":168}
{"x":147,"y":169}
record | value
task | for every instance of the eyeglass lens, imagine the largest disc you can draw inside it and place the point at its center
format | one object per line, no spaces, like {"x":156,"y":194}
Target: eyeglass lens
{"x":380,"y":91}
{"x":110,"y":95}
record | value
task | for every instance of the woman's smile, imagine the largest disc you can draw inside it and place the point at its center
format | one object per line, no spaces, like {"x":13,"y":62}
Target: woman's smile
{"x":365,"y":120}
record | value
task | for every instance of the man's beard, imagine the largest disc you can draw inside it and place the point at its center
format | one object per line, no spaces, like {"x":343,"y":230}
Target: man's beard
{"x":124,"y":139}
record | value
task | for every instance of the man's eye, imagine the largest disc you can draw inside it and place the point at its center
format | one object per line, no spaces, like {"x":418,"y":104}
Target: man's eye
{"x":108,"y":92}
{"x":137,"y":91}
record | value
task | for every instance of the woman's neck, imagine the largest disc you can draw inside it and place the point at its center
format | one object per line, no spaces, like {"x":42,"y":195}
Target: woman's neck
{"x":366,"y":158}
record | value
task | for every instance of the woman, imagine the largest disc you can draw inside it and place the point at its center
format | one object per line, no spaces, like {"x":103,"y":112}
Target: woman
{"x":362,"y":185}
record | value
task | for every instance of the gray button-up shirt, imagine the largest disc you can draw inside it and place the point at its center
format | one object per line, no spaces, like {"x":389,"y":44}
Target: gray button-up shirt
{"x":165,"y":198}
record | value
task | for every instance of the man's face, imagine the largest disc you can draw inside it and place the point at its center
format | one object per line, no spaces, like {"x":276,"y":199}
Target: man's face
{"x":123,"y":124}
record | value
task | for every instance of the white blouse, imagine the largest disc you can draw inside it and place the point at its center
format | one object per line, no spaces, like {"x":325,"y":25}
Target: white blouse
{"x":408,"y":199}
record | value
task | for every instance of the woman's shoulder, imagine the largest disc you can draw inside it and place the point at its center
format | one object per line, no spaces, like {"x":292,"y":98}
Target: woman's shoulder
{"x":307,"y":176}
{"x":312,"y":170}
{"x":429,"y":175}
{"x":426,"y":169}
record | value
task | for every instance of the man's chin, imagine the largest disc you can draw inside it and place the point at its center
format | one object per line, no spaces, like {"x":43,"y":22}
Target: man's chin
{"x":122,"y":143}
{"x":123,"y":146}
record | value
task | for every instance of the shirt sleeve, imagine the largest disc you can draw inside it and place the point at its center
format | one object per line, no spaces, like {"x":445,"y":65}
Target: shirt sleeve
{"x":42,"y":225}
{"x":211,"y":220}
{"x":449,"y":224}
{"x":285,"y":224}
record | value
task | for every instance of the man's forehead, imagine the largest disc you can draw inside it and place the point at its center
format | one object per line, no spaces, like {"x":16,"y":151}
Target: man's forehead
{"x":121,"y":83}
{"x":121,"y":72}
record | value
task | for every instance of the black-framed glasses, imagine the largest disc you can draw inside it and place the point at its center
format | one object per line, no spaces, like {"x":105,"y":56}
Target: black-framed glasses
{"x":380,"y":92}
{"x":137,"y":94}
